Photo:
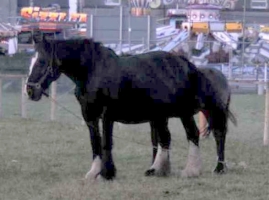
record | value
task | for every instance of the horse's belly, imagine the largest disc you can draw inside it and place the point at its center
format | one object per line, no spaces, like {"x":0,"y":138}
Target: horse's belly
{"x":142,"y":113}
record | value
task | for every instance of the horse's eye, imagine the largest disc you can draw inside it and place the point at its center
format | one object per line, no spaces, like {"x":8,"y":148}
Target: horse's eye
{"x":41,"y":62}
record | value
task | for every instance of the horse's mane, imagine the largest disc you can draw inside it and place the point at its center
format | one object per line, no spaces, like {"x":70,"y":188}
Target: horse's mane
{"x":126,"y":54}
{"x":86,"y":50}
{"x":184,"y":58}
{"x":75,"y":42}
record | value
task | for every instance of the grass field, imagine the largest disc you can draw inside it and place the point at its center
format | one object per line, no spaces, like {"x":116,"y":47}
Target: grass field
{"x":42,"y":160}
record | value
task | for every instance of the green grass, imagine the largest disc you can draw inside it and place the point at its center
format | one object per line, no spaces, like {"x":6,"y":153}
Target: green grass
{"x":18,"y":64}
{"x":42,"y":160}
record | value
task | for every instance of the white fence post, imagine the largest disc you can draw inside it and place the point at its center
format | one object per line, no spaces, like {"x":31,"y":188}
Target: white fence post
{"x":91,"y":27}
{"x":230,"y":72}
{"x":260,"y":88}
{"x":148,"y":34}
{"x":120,"y":28}
{"x":53,"y":99}
{"x":0,"y":97}
{"x":23,"y":98}
{"x":266,"y":116}
{"x":265,"y":74}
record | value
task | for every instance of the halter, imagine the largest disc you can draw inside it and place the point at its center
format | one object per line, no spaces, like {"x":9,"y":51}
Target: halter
{"x":49,"y":70}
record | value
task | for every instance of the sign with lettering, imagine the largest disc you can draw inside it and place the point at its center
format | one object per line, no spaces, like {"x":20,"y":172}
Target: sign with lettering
{"x":42,"y":15}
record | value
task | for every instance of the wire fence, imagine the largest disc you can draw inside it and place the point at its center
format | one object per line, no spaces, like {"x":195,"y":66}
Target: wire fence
{"x":14,"y":102}
{"x":247,"y":78}
{"x":63,"y":106}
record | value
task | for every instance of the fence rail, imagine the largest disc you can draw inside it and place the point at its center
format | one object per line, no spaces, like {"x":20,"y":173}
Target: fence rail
{"x":23,"y":103}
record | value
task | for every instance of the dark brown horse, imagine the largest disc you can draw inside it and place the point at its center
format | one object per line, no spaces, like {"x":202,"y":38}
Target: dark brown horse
{"x":150,"y":87}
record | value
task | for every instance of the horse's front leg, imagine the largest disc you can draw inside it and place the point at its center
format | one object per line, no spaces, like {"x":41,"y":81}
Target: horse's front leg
{"x":194,"y":164}
{"x":96,"y":148}
{"x":154,"y":142}
{"x":91,"y":114}
{"x":108,"y":170}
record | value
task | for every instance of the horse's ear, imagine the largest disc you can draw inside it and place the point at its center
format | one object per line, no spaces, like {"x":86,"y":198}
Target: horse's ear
{"x":38,"y":37}
{"x":44,"y":38}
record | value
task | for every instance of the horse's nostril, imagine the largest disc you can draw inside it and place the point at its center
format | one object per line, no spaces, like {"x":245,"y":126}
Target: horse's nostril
{"x":30,"y":92}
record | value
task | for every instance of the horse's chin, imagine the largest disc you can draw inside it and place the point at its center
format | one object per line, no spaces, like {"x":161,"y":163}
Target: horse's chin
{"x":36,"y":96}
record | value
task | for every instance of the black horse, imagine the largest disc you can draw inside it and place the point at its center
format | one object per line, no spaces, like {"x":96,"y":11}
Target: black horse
{"x":150,"y":87}
{"x":220,"y":83}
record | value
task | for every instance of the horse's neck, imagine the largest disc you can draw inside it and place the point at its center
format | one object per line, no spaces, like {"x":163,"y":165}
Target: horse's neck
{"x":80,"y":74}
{"x":76,"y":73}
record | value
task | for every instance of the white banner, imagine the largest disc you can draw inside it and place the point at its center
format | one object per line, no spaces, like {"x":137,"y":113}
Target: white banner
{"x":112,"y":2}
{"x":167,"y":2}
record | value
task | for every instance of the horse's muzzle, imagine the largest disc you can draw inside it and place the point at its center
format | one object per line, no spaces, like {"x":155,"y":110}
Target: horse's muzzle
{"x":34,"y":93}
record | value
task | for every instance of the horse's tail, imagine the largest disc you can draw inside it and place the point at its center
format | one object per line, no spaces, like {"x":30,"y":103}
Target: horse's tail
{"x":227,"y":114}
{"x":211,"y":100}
{"x":217,"y":107}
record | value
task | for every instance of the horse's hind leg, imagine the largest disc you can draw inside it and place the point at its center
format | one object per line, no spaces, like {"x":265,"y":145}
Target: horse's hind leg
{"x":220,"y":137}
{"x":193,"y":166}
{"x":154,"y":141}
{"x":161,"y":134}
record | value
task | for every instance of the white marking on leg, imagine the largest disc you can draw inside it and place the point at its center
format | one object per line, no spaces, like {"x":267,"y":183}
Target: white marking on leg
{"x":95,"y":169}
{"x":194,"y":162}
{"x":161,"y":163}
{"x":119,"y":125}
{"x":32,"y":64}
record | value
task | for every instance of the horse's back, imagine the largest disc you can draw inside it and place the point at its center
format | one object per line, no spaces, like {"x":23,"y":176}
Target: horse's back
{"x":216,"y":77}
{"x":156,"y":67}
{"x":150,"y":85}
{"x":218,"y":81}
{"x":157,"y":76}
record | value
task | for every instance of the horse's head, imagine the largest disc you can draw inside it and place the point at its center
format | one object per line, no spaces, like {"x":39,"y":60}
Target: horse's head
{"x":44,"y":69}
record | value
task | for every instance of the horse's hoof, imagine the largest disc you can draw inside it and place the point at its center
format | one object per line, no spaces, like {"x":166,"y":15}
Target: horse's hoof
{"x":204,"y":137}
{"x":189,"y":173}
{"x":161,"y":172}
{"x":221,"y":168}
{"x":95,"y":169}
{"x":108,"y":171}
{"x":92,"y":176}
{"x":150,"y":172}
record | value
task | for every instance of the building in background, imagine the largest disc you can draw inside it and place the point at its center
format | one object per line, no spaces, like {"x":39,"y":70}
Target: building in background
{"x":8,"y":11}
{"x":256,"y":12}
{"x":64,"y":4}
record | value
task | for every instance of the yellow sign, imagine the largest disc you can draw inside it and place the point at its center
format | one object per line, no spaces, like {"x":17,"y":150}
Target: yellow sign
{"x":264,"y":29}
{"x":233,"y":27}
{"x":200,"y":27}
